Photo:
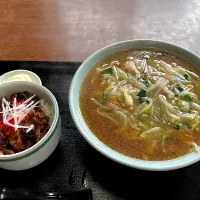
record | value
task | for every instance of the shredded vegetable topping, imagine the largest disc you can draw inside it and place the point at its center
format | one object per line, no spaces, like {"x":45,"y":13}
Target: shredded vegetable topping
{"x":14,"y":113}
{"x":150,"y":96}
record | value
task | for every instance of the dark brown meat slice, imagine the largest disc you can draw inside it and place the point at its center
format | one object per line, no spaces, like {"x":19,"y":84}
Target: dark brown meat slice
{"x":30,"y":115}
{"x":43,"y":124}
{"x":38,"y":134}
{"x":6,"y":151}
{"x":27,"y":94}
{"x":41,"y":118}
{"x":21,"y":97}
{"x":3,"y":139}
{"x":36,"y":131}
{"x":43,"y":121}
{"x":12,"y":97}
{"x":28,"y":144}
{"x":16,"y":141}
{"x":40,"y":122}
{"x":44,"y":131}
{"x":35,"y":99}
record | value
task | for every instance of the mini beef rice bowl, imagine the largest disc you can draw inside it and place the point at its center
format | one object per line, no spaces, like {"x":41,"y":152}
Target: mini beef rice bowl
{"x":24,"y":120}
{"x":144,"y":104}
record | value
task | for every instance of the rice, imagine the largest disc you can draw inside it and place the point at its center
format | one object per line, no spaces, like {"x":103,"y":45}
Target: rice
{"x":47,"y":109}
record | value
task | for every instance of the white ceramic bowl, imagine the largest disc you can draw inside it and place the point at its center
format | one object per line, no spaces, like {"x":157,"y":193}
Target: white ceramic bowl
{"x":20,"y":72}
{"x":44,"y":148}
{"x":77,"y":81}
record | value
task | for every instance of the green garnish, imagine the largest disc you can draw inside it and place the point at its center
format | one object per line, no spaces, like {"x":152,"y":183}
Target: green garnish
{"x":180,"y":89}
{"x":146,"y":83}
{"x":186,"y":76}
{"x":143,"y":126}
{"x":105,"y":98}
{"x":108,"y":70}
{"x":129,"y":76}
{"x":141,"y":93}
{"x":177,"y":126}
{"x":188,"y":97}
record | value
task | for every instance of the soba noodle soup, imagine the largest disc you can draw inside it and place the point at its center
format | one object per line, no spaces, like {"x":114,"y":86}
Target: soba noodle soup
{"x":144,"y":104}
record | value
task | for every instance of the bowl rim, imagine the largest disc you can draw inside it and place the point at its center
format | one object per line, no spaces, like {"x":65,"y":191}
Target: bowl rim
{"x":82,"y":127}
{"x":18,"y":71}
{"x":49,"y":134}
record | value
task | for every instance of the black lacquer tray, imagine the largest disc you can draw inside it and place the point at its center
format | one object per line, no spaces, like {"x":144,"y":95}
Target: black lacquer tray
{"x":75,"y":165}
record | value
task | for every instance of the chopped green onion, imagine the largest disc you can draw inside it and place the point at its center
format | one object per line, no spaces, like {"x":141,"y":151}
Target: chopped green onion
{"x":105,"y":98}
{"x":146,"y":83}
{"x":186,"y":76}
{"x":180,"y":89}
{"x":129,"y":76}
{"x":188,"y":97}
{"x":177,"y":126}
{"x":141,"y":93}
{"x":122,"y":75}
{"x":143,"y":126}
{"x":108,"y":70}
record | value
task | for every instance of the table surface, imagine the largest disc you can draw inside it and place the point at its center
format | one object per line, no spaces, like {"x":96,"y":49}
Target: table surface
{"x":71,"y":30}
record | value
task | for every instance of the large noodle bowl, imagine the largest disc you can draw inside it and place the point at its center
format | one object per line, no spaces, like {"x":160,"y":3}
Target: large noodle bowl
{"x":144,"y":104}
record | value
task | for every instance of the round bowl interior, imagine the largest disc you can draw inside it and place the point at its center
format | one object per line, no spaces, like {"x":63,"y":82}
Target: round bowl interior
{"x":80,"y":75}
{"x":43,"y":93}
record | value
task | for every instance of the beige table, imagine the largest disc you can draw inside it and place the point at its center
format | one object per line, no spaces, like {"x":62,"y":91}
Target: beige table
{"x":70,"y":30}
